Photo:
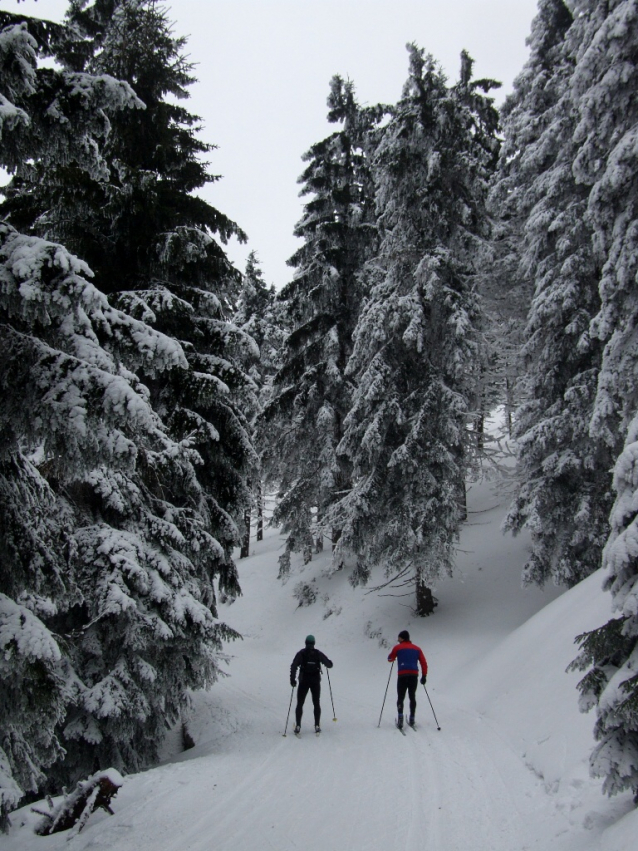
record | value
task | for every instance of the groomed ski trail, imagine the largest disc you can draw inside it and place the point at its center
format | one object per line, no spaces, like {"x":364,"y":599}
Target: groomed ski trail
{"x":357,"y":786}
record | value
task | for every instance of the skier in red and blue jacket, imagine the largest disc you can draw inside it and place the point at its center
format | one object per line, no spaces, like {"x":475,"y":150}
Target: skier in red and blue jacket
{"x":408,"y":657}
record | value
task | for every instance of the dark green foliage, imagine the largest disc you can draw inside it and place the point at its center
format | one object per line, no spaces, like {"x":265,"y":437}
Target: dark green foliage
{"x":303,"y":422}
{"x":545,"y":243}
{"x":152,"y":245}
{"x":415,"y":360}
{"x":131,"y":441}
{"x":604,"y":651}
{"x":143,"y":220}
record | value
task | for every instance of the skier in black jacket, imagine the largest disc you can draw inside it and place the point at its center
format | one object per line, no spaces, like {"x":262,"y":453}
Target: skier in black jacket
{"x":309,"y":661}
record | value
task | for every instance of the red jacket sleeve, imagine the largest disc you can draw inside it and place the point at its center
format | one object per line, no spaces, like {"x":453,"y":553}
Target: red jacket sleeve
{"x":393,"y":653}
{"x":424,"y":664}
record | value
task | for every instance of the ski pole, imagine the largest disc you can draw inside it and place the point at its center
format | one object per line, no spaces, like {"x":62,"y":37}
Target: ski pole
{"x":431,"y":707}
{"x":289,"y":705}
{"x":334,"y":717}
{"x":385,"y":695}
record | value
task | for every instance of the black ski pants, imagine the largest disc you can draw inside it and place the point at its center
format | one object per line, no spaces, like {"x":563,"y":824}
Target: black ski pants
{"x":312,"y":685}
{"x":407,"y":683}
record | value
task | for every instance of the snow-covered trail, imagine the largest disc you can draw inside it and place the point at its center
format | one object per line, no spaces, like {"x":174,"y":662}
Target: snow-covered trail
{"x":354,"y":787}
{"x":500,"y":775}
{"x":358,"y":785}
{"x":369,"y":789}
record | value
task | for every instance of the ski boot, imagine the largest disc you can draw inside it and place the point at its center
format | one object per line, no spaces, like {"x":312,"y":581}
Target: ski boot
{"x":297,"y":730}
{"x":317,"y":729}
{"x":411,"y":721}
{"x":400,"y":721}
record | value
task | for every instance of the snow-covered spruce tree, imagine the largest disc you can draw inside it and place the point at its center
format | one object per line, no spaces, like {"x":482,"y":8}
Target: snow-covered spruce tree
{"x":152,"y":245}
{"x":564,"y":491}
{"x":114,"y":580}
{"x":311,"y":396}
{"x":165,"y":244}
{"x":260,"y":316}
{"x":44,"y":115}
{"x":605,"y":83}
{"x":415,"y":360}
{"x":607,"y":159}
{"x":108,"y":550}
{"x":611,"y":651}
{"x":505,"y":291}
{"x":504,"y":313}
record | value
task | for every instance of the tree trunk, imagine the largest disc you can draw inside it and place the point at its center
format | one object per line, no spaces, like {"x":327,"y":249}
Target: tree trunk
{"x":462,"y":499}
{"x":480,"y":432}
{"x":260,"y":511}
{"x":336,"y":534}
{"x":425,"y":601}
{"x":509,"y":404}
{"x":245,"y":544}
{"x":319,"y":535}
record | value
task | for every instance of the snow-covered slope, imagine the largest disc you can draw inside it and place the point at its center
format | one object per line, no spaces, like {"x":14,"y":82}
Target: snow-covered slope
{"x":506,"y":772}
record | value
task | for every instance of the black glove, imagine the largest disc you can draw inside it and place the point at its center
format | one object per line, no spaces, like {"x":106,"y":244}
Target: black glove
{"x":423,"y":679}
{"x":293,"y":682}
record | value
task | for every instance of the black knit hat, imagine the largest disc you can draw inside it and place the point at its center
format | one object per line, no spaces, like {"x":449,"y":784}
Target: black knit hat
{"x":404,"y":635}
{"x":310,"y":639}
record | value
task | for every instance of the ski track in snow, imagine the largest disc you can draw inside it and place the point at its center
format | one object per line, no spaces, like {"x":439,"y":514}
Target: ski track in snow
{"x":359,"y":786}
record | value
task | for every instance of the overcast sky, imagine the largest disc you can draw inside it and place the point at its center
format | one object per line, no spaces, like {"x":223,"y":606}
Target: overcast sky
{"x":263,"y":70}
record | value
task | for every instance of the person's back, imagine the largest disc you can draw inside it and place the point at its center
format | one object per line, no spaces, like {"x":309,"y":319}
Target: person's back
{"x":408,"y":657}
{"x":308,"y":661}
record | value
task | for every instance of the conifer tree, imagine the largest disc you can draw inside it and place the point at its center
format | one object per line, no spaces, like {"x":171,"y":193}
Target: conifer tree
{"x":604,"y":83}
{"x":416,"y":353}
{"x":45,"y":115}
{"x":259,"y":316}
{"x":565,"y":485}
{"x":311,"y":396}
{"x":155,"y":247}
{"x":79,"y":436}
{"x":150,"y":514}
{"x":152,"y":244}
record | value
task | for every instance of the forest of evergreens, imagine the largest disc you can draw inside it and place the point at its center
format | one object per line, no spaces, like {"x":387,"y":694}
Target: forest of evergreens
{"x":455,"y":259}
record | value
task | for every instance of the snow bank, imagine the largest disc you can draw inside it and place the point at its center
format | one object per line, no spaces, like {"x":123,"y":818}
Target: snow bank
{"x":523,"y":685}
{"x":523,"y":689}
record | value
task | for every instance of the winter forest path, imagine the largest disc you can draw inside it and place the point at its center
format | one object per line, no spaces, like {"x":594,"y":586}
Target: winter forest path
{"x":356,"y":787}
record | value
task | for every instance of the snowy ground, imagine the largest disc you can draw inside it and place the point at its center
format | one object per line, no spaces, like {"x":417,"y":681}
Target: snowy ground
{"x":506,"y":772}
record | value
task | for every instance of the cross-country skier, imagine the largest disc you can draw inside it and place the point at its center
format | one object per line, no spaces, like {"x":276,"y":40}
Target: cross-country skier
{"x":309,"y":661}
{"x":408,"y":656}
